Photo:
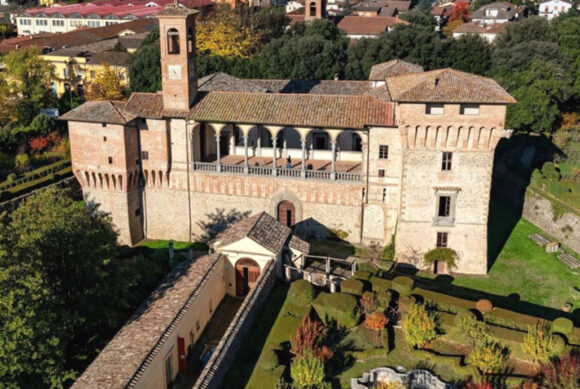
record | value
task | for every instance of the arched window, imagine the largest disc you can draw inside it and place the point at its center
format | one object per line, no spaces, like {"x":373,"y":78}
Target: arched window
{"x":190,"y":41}
{"x":313,"y":9}
{"x":172,"y":41}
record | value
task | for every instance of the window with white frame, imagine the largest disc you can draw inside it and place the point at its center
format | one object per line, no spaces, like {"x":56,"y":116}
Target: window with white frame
{"x":434,"y":109}
{"x":469,"y":109}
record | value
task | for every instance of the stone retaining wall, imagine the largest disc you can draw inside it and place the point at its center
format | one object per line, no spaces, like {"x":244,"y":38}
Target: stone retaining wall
{"x":226,"y":351}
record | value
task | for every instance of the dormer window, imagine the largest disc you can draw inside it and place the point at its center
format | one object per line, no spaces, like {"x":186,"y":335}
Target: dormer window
{"x":172,"y":41}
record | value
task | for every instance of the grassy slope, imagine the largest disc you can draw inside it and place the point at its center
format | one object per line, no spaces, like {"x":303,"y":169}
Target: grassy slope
{"x":526,"y":269}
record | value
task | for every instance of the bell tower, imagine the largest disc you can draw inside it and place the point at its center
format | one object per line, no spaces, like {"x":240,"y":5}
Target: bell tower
{"x":315,"y":9}
{"x":177,"y":44}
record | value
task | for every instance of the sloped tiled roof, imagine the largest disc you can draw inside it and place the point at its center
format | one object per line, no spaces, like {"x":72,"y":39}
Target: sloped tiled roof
{"x":145,"y":105}
{"x":174,"y":10}
{"x":395,"y":67}
{"x":130,"y":352}
{"x":323,"y":87}
{"x":328,"y":111}
{"x":374,"y":25}
{"x":505,"y":10}
{"x":111,"y":112}
{"x":447,"y":85}
{"x":298,"y":244}
{"x":261,"y":228}
{"x":225,"y":82}
{"x":474,"y":28}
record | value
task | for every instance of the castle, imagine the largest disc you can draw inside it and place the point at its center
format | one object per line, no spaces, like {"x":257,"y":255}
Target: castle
{"x":407,"y":153}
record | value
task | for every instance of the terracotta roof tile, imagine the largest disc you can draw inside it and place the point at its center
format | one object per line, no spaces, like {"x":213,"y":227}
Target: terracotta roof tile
{"x":111,"y":112}
{"x":130,"y":352}
{"x":329,"y":111}
{"x":447,"y":85}
{"x":361,"y":25}
{"x":298,"y":244}
{"x":146,"y":105}
{"x":396,"y":67}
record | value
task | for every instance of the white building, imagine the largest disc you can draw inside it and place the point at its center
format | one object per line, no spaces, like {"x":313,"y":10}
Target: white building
{"x":551,"y":9}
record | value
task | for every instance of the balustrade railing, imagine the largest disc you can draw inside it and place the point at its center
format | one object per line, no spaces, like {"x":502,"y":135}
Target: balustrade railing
{"x":281,"y":172}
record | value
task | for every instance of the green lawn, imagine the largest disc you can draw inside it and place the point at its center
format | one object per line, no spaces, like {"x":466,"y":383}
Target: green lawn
{"x":164,"y":245}
{"x":523,"y":272}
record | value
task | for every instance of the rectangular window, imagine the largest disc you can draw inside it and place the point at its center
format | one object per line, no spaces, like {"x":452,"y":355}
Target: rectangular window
{"x":197,"y":326}
{"x":469,"y":109}
{"x":79,"y":72}
{"x":110,"y":160}
{"x":444,"y":208}
{"x":446,"y":160}
{"x":138,"y":212}
{"x":104,"y":139}
{"x":65,"y":72}
{"x":144,"y":155}
{"x":384,"y":152}
{"x":442,"y":239}
{"x":168,"y":372}
{"x":381,"y":172}
{"x":434,"y":109}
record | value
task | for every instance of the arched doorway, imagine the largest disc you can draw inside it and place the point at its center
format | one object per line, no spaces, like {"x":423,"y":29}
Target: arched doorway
{"x":287,"y":213}
{"x":247,"y":273}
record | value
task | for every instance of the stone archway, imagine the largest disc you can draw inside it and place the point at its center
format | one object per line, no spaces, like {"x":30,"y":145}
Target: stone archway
{"x":247,"y":273}
{"x":286,"y":195}
{"x":286,"y":213}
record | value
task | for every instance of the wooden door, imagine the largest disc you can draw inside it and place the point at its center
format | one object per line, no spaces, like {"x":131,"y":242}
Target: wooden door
{"x":247,"y":274}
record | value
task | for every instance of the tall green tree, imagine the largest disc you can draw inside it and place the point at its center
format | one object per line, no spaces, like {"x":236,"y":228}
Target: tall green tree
{"x":63,"y":288}
{"x":470,"y":53}
{"x":145,"y":65}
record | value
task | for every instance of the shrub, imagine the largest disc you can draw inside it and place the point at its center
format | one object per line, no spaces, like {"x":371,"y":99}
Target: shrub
{"x":487,"y":356}
{"x":341,"y":307}
{"x":380,"y":284}
{"x":21,"y":163}
{"x":368,"y":303}
{"x":550,"y":172}
{"x":362,"y":275}
{"x":338,"y":234}
{"x":12,"y":177}
{"x":445,"y":254}
{"x":384,"y":299}
{"x":368,"y":267}
{"x":352,"y":286}
{"x":463,"y":316}
{"x":388,"y":252}
{"x":307,"y":371}
{"x":558,"y":345}
{"x":420,"y":326}
{"x":538,"y":342}
{"x":403,"y":285}
{"x":301,"y":292}
{"x":484,"y":306}
{"x":563,"y":373}
{"x":269,"y":360}
{"x":563,"y":325}
{"x":309,"y":336}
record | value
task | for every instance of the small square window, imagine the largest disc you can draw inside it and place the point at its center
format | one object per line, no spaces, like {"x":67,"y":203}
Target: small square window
{"x":103,"y":124}
{"x":434,"y":109}
{"x":384,"y":152}
{"x":104,"y":139}
{"x":446,"y":160}
{"x":442,"y":239}
{"x":381,"y":172}
{"x":144,"y":155}
{"x":469,"y":109}
{"x":110,"y":160}
{"x":138,"y":212}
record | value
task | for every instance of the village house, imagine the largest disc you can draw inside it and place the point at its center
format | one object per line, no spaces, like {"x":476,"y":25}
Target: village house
{"x":409,"y":158}
{"x":64,"y":18}
{"x":551,"y":9}
{"x":498,"y":13}
{"x":489,"y":33}
{"x":358,"y":27}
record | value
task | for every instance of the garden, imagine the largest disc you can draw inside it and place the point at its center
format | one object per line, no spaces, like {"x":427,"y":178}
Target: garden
{"x":322,"y":340}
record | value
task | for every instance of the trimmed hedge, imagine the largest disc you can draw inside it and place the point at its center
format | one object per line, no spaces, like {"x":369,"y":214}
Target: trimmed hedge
{"x":380,"y":284}
{"x":352,"y":286}
{"x":563,"y":325}
{"x":444,"y":302}
{"x":384,"y":299}
{"x":341,"y":307}
{"x":269,"y":359}
{"x":511,"y":319}
{"x":559,"y":344}
{"x":362,"y":275}
{"x":503,"y":333}
{"x":403,"y":285}
{"x":369,"y":268}
{"x":301,"y":292}
{"x":462,"y":315}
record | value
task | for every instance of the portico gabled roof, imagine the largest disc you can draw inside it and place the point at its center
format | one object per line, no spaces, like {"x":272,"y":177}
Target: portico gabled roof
{"x":288,"y":109}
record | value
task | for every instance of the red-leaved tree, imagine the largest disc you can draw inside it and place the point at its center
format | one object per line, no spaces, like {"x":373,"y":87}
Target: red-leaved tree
{"x":460,"y":12}
{"x":563,"y":373}
{"x":39,"y":143}
{"x":308,"y":337}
